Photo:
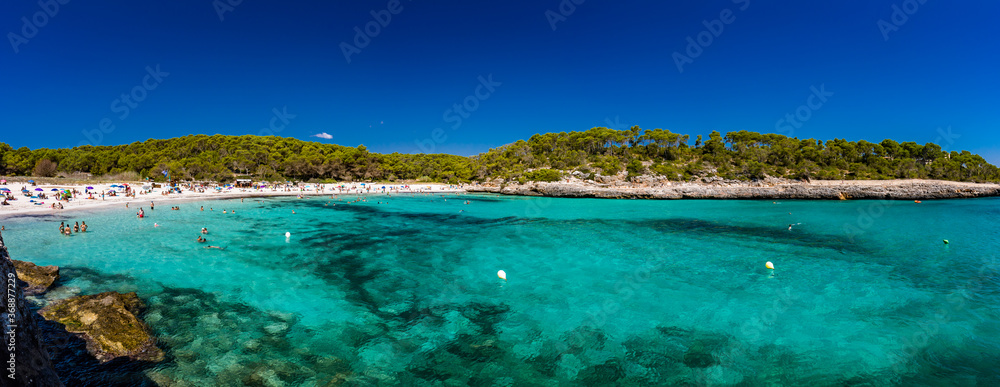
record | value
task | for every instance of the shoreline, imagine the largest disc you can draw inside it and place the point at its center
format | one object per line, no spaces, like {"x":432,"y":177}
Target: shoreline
{"x":772,"y":189}
{"x":21,"y":206}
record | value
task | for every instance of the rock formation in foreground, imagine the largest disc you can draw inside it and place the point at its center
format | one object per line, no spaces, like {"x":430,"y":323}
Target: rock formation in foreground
{"x":38,"y":278}
{"x":108,"y":323}
{"x":21,"y":336}
{"x":818,"y":190}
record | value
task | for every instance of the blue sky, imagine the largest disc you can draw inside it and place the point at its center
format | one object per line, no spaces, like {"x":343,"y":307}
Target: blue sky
{"x":603,"y":64}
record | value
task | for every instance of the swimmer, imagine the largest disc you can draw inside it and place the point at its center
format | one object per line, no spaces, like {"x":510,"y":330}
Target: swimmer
{"x":215,"y":247}
{"x":201,"y":239}
{"x":2,"y":228}
{"x":204,"y":230}
{"x":789,"y":227}
{"x":223,"y":211}
{"x":83,"y":226}
{"x":76,"y":228}
{"x":156,"y":225}
{"x":203,"y":208}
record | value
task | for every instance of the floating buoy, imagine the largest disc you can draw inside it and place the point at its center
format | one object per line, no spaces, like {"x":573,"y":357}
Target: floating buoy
{"x":502,"y":275}
{"x":769,"y":265}
{"x":917,"y":201}
{"x":946,"y":241}
{"x":288,"y":235}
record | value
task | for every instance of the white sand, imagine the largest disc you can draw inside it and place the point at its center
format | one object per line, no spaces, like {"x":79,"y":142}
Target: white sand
{"x":22,"y":204}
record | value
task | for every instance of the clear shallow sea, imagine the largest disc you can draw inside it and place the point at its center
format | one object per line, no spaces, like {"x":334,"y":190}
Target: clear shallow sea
{"x":599,"y":292}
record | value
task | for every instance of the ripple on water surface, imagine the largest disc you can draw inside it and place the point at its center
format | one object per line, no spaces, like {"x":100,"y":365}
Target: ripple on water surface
{"x":600,"y":292}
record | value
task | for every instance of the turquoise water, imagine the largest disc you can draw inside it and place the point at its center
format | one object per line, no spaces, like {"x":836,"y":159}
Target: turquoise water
{"x":599,"y":292}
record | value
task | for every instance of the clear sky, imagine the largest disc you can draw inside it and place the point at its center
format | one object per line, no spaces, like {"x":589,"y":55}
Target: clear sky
{"x":515,"y":68}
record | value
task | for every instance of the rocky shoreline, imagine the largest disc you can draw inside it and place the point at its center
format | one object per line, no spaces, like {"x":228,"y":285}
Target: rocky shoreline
{"x":769,"y":189}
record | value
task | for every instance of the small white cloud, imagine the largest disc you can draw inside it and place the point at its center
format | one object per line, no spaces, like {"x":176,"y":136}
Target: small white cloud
{"x":323,"y":135}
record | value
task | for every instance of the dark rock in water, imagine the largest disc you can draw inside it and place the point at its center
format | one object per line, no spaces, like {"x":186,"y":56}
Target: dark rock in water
{"x":696,"y":357}
{"x":38,"y":278}
{"x":601,"y":374}
{"x":108,"y":323}
{"x":31,"y":366}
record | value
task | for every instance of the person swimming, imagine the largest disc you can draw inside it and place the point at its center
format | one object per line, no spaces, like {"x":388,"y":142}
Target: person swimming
{"x":204,"y":230}
{"x":201,"y":239}
{"x":215,"y":247}
{"x":83,"y":226}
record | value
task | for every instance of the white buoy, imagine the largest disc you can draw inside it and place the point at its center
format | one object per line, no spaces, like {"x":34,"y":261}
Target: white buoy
{"x":288,"y":235}
{"x":769,"y":265}
{"x":502,"y":275}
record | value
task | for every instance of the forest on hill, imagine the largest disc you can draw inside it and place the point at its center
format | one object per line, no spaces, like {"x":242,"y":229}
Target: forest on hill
{"x":630,"y":153}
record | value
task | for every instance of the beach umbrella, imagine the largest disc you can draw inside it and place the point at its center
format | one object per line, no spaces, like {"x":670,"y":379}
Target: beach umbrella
{"x":54,"y":189}
{"x":5,"y":189}
{"x":31,"y":181}
{"x":2,"y":181}
{"x":38,"y":189}
{"x":88,"y":187}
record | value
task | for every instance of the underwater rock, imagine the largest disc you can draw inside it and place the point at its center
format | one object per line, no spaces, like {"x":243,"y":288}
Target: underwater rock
{"x":601,"y":374}
{"x":108,"y":323}
{"x":38,"y":278}
{"x":696,"y":357}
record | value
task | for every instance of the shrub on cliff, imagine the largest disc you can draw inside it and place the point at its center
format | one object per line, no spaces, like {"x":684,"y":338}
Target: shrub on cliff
{"x":544,"y":175}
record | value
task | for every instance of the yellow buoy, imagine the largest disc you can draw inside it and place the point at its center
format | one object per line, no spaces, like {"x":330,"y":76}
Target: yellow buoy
{"x":502,"y":275}
{"x":769,"y":265}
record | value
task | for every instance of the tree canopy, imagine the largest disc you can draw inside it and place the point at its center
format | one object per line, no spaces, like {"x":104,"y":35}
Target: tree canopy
{"x":737,"y":155}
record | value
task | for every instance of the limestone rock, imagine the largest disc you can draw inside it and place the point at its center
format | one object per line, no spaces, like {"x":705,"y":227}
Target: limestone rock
{"x":108,"y":323}
{"x":38,"y":278}
{"x":31,"y":360}
{"x":770,"y":189}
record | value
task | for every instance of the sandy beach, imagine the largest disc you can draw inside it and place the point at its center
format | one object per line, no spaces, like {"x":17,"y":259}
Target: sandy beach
{"x":26,"y":205}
